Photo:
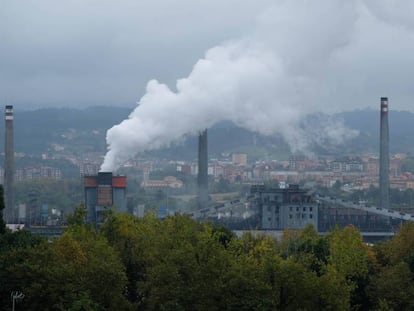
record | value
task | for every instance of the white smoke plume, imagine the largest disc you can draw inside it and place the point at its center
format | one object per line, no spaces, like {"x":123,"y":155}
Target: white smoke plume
{"x":269,"y":81}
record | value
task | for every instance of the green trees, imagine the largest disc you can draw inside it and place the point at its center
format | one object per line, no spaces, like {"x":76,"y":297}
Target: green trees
{"x":349,"y":257}
{"x":175,"y":264}
{"x":77,"y":271}
{"x":181,"y":264}
{"x":69,"y":273}
{"x":392,"y":284}
{"x":78,"y":217}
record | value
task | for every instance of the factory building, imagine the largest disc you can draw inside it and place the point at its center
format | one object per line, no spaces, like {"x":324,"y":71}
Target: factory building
{"x":102,"y":192}
{"x":284,"y":208}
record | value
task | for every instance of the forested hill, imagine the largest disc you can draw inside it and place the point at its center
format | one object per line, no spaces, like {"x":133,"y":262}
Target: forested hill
{"x":82,"y":130}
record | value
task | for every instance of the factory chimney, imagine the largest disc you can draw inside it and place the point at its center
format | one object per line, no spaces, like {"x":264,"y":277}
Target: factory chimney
{"x":10,"y":212}
{"x":384,"y":156}
{"x":202,"y":178}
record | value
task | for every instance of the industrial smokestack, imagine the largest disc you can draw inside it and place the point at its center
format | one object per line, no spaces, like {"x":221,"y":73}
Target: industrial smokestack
{"x":10,"y":211}
{"x":384,"y":156}
{"x":202,"y":177}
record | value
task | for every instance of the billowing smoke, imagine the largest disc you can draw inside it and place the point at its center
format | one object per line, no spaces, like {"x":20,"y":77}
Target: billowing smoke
{"x":269,"y":81}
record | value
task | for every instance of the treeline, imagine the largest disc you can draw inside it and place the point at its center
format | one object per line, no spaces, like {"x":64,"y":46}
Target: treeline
{"x":181,"y":264}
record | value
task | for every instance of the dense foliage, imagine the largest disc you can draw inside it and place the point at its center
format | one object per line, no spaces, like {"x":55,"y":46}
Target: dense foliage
{"x":181,"y":264}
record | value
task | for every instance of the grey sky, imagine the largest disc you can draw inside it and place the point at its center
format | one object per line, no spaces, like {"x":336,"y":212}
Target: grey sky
{"x":89,"y":52}
{"x":83,"y":52}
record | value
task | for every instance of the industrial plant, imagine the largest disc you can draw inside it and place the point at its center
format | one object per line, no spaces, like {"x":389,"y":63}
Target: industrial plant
{"x":287,"y":206}
{"x":103,"y":192}
{"x":269,"y":207}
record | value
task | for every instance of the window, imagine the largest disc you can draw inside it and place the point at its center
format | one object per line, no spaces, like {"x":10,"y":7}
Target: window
{"x":310,"y":209}
{"x":290,"y":216}
{"x":310,"y":216}
{"x":304,"y":208}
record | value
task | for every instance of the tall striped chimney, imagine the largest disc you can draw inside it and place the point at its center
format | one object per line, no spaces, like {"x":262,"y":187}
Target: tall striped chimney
{"x":384,"y":156}
{"x":10,"y":211}
{"x":202,"y":178}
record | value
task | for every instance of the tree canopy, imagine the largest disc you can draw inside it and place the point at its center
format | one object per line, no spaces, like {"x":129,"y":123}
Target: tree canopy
{"x":180,"y":264}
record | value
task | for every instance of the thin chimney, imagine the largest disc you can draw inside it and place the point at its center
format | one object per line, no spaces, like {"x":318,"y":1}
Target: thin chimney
{"x":10,"y":211}
{"x":384,"y":156}
{"x":202,"y":170}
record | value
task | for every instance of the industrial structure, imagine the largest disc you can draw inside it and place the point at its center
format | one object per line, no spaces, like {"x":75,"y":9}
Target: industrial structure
{"x":265,"y":208}
{"x":10,"y":210}
{"x":284,"y":208}
{"x":102,"y":192}
{"x":384,"y":156}
{"x":202,"y":177}
{"x":278,"y":208}
{"x":366,"y":217}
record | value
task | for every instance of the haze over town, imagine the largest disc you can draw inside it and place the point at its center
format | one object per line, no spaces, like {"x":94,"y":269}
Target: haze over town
{"x":207,"y":155}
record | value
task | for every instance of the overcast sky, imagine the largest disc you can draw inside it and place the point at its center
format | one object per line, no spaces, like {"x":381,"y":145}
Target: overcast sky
{"x":94,"y":52}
